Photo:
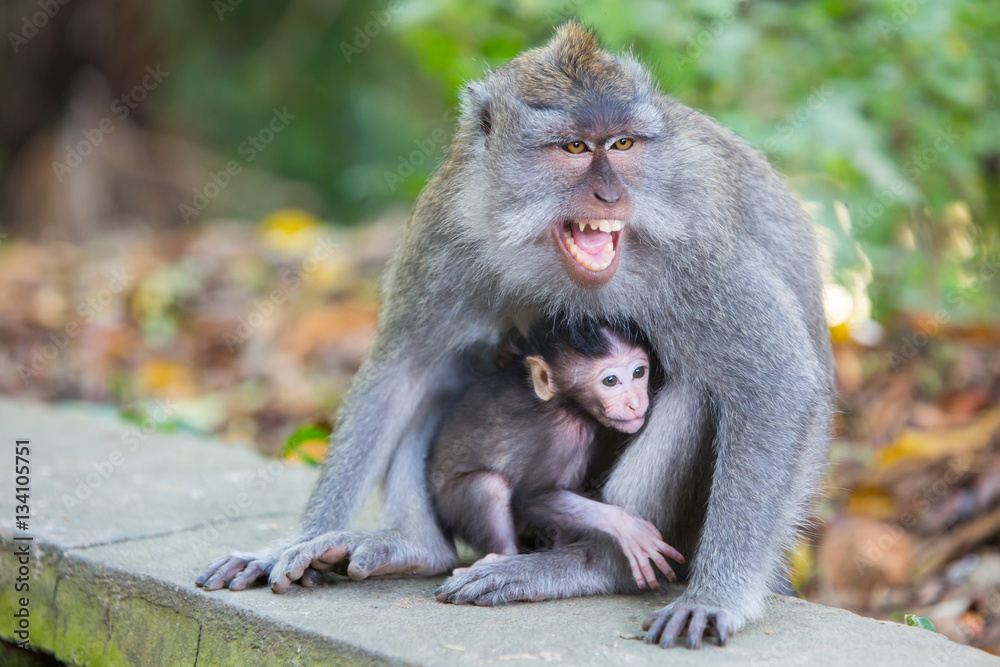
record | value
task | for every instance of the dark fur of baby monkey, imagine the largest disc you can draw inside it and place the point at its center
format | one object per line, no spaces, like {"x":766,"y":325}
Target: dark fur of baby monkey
{"x":513,"y":452}
{"x":574,"y":186}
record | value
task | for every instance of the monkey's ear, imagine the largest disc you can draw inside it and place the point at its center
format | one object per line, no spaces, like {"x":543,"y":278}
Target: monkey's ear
{"x":481,"y":108}
{"x":541,"y":377}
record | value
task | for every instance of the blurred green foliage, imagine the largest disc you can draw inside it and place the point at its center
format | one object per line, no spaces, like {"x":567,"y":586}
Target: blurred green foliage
{"x":890,"y":106}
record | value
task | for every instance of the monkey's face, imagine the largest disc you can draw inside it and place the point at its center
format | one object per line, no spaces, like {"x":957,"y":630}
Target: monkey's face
{"x":559,"y":174}
{"x":592,"y":171}
{"x":617,"y":388}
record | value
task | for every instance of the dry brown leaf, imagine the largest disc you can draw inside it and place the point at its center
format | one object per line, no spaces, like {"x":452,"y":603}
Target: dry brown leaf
{"x":871,"y":502}
{"x":861,"y":553}
{"x":933,"y":445}
{"x":328,"y":325}
{"x":165,"y":378}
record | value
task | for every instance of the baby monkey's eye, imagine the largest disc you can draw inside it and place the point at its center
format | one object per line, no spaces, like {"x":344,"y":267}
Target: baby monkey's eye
{"x":610,"y":381}
{"x":575,"y":147}
{"x":639,"y":372}
{"x":623,"y":144}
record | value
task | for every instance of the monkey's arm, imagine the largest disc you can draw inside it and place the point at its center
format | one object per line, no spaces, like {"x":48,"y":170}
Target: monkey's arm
{"x":640,"y":541}
{"x":388,"y":417}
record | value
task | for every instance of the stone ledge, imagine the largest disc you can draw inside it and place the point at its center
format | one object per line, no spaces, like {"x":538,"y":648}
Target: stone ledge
{"x":113,"y":572}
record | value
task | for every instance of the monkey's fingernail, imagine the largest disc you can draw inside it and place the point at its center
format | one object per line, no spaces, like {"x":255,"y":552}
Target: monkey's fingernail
{"x":452,"y":597}
{"x":438,"y":590}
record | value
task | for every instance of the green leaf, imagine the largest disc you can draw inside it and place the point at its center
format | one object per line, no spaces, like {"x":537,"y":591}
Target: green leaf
{"x":305,"y":433}
{"x":919,"y":622}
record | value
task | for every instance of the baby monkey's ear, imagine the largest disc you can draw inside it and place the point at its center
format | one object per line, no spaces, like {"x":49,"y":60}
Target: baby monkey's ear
{"x":541,"y":377}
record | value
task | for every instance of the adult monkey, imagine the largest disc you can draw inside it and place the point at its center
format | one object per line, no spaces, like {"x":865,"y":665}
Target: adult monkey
{"x":711,"y":255}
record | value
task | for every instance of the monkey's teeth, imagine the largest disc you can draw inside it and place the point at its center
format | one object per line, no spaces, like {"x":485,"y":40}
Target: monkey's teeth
{"x":583,"y":259}
{"x":602,"y":225}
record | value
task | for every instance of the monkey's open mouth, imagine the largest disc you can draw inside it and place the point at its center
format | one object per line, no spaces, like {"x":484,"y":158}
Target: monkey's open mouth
{"x":592,"y":243}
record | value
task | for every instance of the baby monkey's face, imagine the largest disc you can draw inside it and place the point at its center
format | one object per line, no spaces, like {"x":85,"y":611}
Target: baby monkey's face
{"x":618,"y":387}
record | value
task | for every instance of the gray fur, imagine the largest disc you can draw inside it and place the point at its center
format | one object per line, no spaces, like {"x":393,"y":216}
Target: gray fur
{"x":720,"y":271}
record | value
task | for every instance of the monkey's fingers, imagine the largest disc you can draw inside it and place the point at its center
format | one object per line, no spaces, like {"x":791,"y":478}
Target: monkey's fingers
{"x":330,"y":558}
{"x":633,"y":562}
{"x":310,"y":578}
{"x":696,"y":627}
{"x":674,"y":627}
{"x":251,"y":573}
{"x":647,"y":572}
{"x":224,"y":574}
{"x":290,"y":567}
{"x":210,"y":570}
{"x":670,"y":552}
{"x":663,"y":566}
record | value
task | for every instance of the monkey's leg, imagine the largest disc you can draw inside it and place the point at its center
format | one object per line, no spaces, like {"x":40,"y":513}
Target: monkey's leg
{"x":640,"y":541}
{"x":394,"y":406}
{"x":768,"y":450}
{"x":476,"y":507}
{"x":414,"y":544}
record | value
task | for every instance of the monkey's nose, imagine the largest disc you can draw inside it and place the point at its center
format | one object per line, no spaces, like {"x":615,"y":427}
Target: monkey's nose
{"x":608,"y":194}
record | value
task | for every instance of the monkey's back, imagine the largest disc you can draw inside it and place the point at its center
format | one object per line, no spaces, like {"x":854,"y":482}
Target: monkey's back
{"x":499,"y":425}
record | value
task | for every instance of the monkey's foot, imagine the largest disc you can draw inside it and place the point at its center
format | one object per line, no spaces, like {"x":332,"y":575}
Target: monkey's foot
{"x":490,"y":583}
{"x":360,"y":555}
{"x":667,"y":624}
{"x":488,"y":558}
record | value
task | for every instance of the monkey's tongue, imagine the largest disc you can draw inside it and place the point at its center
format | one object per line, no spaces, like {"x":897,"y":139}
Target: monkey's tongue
{"x":592,"y":248}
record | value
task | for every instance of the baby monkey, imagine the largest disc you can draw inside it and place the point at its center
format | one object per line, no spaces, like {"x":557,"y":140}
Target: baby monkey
{"x":513,"y":453}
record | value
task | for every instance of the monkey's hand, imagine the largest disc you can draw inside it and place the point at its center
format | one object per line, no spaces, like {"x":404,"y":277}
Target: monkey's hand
{"x":240,"y":569}
{"x":641,"y":542}
{"x":667,"y":624}
{"x":359,"y":555}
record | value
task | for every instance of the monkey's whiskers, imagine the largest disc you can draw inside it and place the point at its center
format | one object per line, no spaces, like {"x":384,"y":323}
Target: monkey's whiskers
{"x":592,"y":243}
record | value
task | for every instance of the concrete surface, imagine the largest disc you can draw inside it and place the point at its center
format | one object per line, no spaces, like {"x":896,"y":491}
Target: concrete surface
{"x":112,"y":574}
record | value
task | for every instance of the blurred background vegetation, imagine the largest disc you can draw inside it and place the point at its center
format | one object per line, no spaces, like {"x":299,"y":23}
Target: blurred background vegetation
{"x":244,"y":166}
{"x":889,"y":106}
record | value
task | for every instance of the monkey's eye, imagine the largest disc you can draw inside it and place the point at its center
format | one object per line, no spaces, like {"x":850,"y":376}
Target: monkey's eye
{"x":575,"y":147}
{"x":639,"y":372}
{"x":610,"y":381}
{"x":623,"y":144}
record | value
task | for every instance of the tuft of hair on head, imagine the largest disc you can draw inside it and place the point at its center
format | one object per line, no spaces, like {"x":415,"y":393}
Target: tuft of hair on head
{"x":572,"y":68}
